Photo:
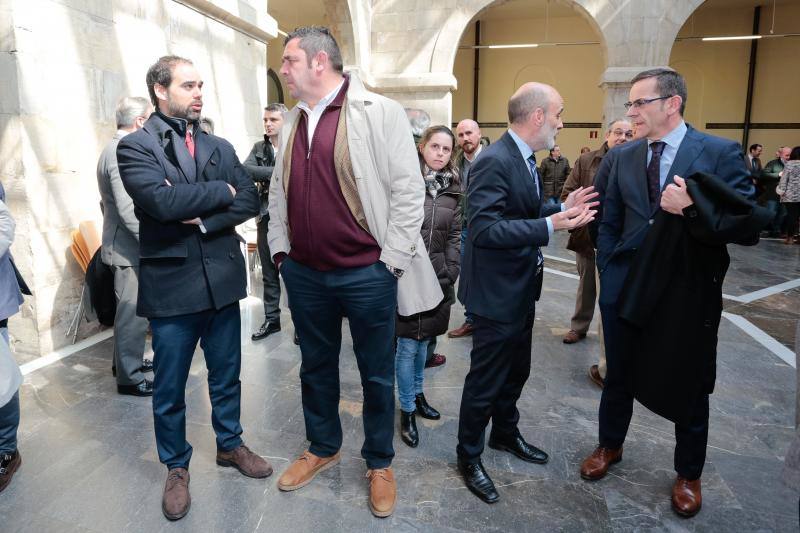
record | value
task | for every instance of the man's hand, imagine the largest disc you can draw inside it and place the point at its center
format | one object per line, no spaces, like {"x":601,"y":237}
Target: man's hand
{"x":675,"y":197}
{"x":233,"y":191}
{"x":572,"y":218}
{"x":581,"y":196}
{"x":195,"y":221}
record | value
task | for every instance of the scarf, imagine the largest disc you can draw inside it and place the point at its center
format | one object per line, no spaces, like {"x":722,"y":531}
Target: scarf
{"x":437,"y":180}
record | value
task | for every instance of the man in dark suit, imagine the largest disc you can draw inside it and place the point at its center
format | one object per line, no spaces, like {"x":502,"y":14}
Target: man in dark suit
{"x":259,"y":164}
{"x":646,"y":176}
{"x":502,"y":277}
{"x":753,"y":160}
{"x":189,"y":192}
{"x":120,"y":251}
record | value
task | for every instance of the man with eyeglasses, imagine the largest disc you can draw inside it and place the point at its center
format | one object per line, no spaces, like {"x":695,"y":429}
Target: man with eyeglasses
{"x":582,"y":175}
{"x":645,"y":177}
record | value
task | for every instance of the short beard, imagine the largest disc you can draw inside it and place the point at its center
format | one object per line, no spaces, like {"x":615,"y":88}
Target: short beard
{"x":186,"y":113}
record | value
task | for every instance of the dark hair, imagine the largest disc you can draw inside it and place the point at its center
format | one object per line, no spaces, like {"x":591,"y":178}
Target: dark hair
{"x":276,"y":108}
{"x":754,"y":146}
{"x":161,"y":73}
{"x":668,"y":83}
{"x":795,"y":155}
{"x":316,"y":39}
{"x":426,"y":136}
{"x":553,"y":149}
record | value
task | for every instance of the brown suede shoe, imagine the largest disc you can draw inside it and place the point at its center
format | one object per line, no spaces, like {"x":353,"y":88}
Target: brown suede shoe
{"x":303,"y":470}
{"x":176,"y":501}
{"x":686,"y":497}
{"x":594,"y":375}
{"x":245,"y":461}
{"x":596,"y":465}
{"x":465,"y":330}
{"x":573,"y":336}
{"x":9,"y":463}
{"x":382,"y":491}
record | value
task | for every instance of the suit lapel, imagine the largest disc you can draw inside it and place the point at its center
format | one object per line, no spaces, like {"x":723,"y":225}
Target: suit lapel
{"x":637,"y":169}
{"x":689,"y":150}
{"x":203,"y":152}
{"x":523,"y":170}
{"x":176,"y":153}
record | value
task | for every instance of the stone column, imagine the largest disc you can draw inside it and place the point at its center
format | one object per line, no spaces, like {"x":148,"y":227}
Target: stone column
{"x":431,"y":92}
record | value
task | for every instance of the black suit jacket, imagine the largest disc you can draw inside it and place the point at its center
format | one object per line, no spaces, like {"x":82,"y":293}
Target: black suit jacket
{"x":259,"y":164}
{"x":505,"y":229}
{"x":183,"y":270}
{"x":627,"y":214}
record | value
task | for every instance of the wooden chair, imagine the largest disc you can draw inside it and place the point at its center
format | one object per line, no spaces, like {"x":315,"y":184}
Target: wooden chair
{"x":85,"y":243}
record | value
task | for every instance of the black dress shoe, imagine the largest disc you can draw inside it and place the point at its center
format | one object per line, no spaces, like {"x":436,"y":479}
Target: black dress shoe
{"x":408,"y":429}
{"x":266,"y":329}
{"x":424,"y":409}
{"x":145,"y":388}
{"x":520,"y":448}
{"x":147,"y":366}
{"x":478,"y":481}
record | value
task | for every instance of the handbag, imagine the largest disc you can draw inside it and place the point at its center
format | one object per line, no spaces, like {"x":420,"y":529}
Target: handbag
{"x":10,"y":375}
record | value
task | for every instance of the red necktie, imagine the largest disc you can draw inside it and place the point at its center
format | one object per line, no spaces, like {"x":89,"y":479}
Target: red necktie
{"x":190,"y":142}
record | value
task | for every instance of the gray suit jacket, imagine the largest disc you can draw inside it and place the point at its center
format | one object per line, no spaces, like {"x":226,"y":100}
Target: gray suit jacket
{"x":120,"y":225}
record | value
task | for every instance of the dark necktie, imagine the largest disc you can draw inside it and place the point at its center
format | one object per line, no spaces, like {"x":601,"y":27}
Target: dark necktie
{"x":535,"y":173}
{"x":190,"y":142}
{"x":654,"y":172}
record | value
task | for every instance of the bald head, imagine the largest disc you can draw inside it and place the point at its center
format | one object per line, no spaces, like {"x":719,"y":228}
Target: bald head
{"x":534,"y":112}
{"x":468,"y":135}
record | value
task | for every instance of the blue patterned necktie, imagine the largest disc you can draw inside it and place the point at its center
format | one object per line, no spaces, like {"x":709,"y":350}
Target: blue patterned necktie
{"x":535,"y":173}
{"x":654,"y":173}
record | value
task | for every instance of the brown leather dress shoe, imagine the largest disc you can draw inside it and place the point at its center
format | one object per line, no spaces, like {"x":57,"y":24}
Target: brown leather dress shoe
{"x":686,"y":497}
{"x":245,"y":461}
{"x":594,"y":375}
{"x":9,"y":463}
{"x":176,"y":501}
{"x":304,"y":469}
{"x":382,"y":491}
{"x":465,"y":330}
{"x":573,"y":336}
{"x":596,"y":465}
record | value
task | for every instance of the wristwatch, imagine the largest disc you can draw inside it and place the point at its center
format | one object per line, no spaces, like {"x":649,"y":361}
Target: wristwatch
{"x":396,"y":272}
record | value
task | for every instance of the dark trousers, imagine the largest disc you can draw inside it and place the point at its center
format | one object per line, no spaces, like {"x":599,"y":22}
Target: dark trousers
{"x":500,"y":366}
{"x":9,"y":413}
{"x":174,"y":343}
{"x":130,"y":329}
{"x":616,"y":406}
{"x":792,"y":215}
{"x":269,"y":274}
{"x":367,"y":296}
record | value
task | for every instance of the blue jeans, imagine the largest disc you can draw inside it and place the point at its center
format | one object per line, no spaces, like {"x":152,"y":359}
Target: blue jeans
{"x":318,"y":302}
{"x":409,"y":364}
{"x":551,"y":200}
{"x":174,"y":341}
{"x":778,"y":214}
{"x":9,"y":417}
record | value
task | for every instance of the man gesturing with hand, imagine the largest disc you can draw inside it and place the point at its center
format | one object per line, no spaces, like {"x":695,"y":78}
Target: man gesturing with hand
{"x":502,"y":277}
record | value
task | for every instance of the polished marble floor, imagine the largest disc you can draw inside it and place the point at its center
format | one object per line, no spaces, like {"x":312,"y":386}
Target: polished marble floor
{"x":89,"y":459}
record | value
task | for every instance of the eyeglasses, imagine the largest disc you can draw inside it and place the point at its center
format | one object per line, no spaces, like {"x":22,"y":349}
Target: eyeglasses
{"x":644,"y":101}
{"x":619,"y":133}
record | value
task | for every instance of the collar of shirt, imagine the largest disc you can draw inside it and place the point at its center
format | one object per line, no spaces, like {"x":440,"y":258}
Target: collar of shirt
{"x":524,"y":149}
{"x":673,"y":141}
{"x":316,"y":113}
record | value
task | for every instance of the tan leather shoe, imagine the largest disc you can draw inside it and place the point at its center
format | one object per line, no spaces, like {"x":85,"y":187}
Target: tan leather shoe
{"x":573,"y":336}
{"x":465,"y":330}
{"x":245,"y":461}
{"x":304,"y":469}
{"x":594,"y":375}
{"x":596,"y":465}
{"x":686,"y":497}
{"x":382,"y":491}
{"x":176,"y":500}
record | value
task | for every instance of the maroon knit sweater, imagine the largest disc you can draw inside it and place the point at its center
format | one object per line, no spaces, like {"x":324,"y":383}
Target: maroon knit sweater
{"x":324,"y":233}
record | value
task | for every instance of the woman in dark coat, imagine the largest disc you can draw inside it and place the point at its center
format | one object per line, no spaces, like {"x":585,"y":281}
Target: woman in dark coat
{"x":441,"y":231}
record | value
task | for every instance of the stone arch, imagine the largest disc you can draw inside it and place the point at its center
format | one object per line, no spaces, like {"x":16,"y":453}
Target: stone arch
{"x":446,"y":47}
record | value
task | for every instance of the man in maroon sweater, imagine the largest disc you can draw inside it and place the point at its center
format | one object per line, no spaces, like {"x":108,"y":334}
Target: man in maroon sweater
{"x":346,"y":207}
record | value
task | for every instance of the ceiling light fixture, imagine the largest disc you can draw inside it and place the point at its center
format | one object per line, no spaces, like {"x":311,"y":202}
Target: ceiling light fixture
{"x":733,"y":38}
{"x":499,"y":46}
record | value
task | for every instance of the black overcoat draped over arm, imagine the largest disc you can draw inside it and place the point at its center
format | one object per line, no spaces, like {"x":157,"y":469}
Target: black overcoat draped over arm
{"x":671,"y":301}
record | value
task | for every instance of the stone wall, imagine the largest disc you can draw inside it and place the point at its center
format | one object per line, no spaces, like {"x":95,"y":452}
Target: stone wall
{"x":64,"y":65}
